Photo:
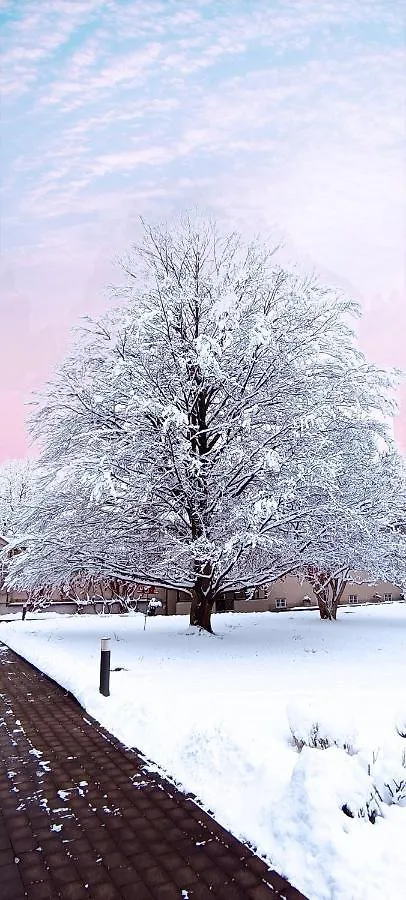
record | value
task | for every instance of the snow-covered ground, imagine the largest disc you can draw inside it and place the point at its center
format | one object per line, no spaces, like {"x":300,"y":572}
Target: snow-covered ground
{"x":214,"y":713}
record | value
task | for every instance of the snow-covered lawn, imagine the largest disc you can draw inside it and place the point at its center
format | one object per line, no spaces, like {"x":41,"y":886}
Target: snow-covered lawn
{"x":214,"y":713}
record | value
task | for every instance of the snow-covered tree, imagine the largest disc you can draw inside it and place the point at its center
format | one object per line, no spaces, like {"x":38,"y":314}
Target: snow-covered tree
{"x":195,"y":437}
{"x":361,"y":542}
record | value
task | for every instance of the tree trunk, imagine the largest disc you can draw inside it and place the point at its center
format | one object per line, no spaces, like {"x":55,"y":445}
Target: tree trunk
{"x":202,"y":604}
{"x":324,"y":608}
{"x":200,"y":612}
{"x":329,"y":599}
{"x":328,"y":604}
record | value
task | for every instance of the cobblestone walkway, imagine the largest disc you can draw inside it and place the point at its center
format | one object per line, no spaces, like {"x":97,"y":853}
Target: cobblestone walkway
{"x":81,"y":817}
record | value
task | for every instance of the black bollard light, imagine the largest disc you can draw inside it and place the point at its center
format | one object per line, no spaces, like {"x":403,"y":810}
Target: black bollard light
{"x":105,"y":667}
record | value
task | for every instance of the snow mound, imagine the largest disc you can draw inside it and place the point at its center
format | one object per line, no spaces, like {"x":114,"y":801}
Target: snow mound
{"x":310,"y":817}
{"x":322,"y":726}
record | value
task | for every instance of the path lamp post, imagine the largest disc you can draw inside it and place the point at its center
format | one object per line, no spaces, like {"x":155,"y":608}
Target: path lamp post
{"x":105,"y":667}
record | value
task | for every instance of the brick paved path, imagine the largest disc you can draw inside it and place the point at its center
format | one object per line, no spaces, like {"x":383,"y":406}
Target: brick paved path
{"x":80,"y":817}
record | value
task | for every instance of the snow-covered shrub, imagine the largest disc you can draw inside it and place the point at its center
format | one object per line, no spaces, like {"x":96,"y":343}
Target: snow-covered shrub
{"x":320,"y":729}
{"x":327,"y":790}
{"x":368,"y":807}
{"x":396,"y":792}
{"x":153,"y":606}
{"x":389,"y":777}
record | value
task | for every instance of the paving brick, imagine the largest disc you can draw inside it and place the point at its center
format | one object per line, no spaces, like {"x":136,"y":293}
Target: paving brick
{"x":245,"y":878}
{"x":184,"y":877}
{"x":106,"y":892}
{"x":6,"y":857}
{"x":145,"y":861}
{"x":74,"y":891}
{"x":64,"y":875}
{"x":80,"y":848}
{"x":30,"y":874}
{"x":261,"y":892}
{"x":156,"y":876}
{"x":166,"y":892}
{"x":113,"y":859}
{"x":214,"y":877}
{"x":42,"y":891}
{"x":140,"y":892}
{"x":231,"y":892}
{"x":56,"y":860}
{"x":5,"y":843}
{"x":171,"y":861}
{"x":90,"y":872}
{"x":9,"y":872}
{"x":13,"y":892}
{"x":125,"y":875}
{"x":24,"y":845}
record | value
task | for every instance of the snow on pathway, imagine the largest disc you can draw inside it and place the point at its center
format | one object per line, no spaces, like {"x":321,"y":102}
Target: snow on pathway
{"x":214,"y":713}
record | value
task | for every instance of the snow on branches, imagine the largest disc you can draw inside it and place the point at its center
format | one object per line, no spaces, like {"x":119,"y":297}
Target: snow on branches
{"x":213,"y":431}
{"x":16,"y":486}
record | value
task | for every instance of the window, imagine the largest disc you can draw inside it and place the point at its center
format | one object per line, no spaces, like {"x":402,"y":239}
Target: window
{"x":387,"y":597}
{"x":353,"y":598}
{"x":280,"y":603}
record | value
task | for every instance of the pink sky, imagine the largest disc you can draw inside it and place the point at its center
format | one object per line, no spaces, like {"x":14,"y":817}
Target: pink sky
{"x":284,"y":118}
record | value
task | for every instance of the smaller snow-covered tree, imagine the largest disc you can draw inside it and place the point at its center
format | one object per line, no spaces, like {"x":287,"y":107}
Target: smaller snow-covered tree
{"x":361,"y":542}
